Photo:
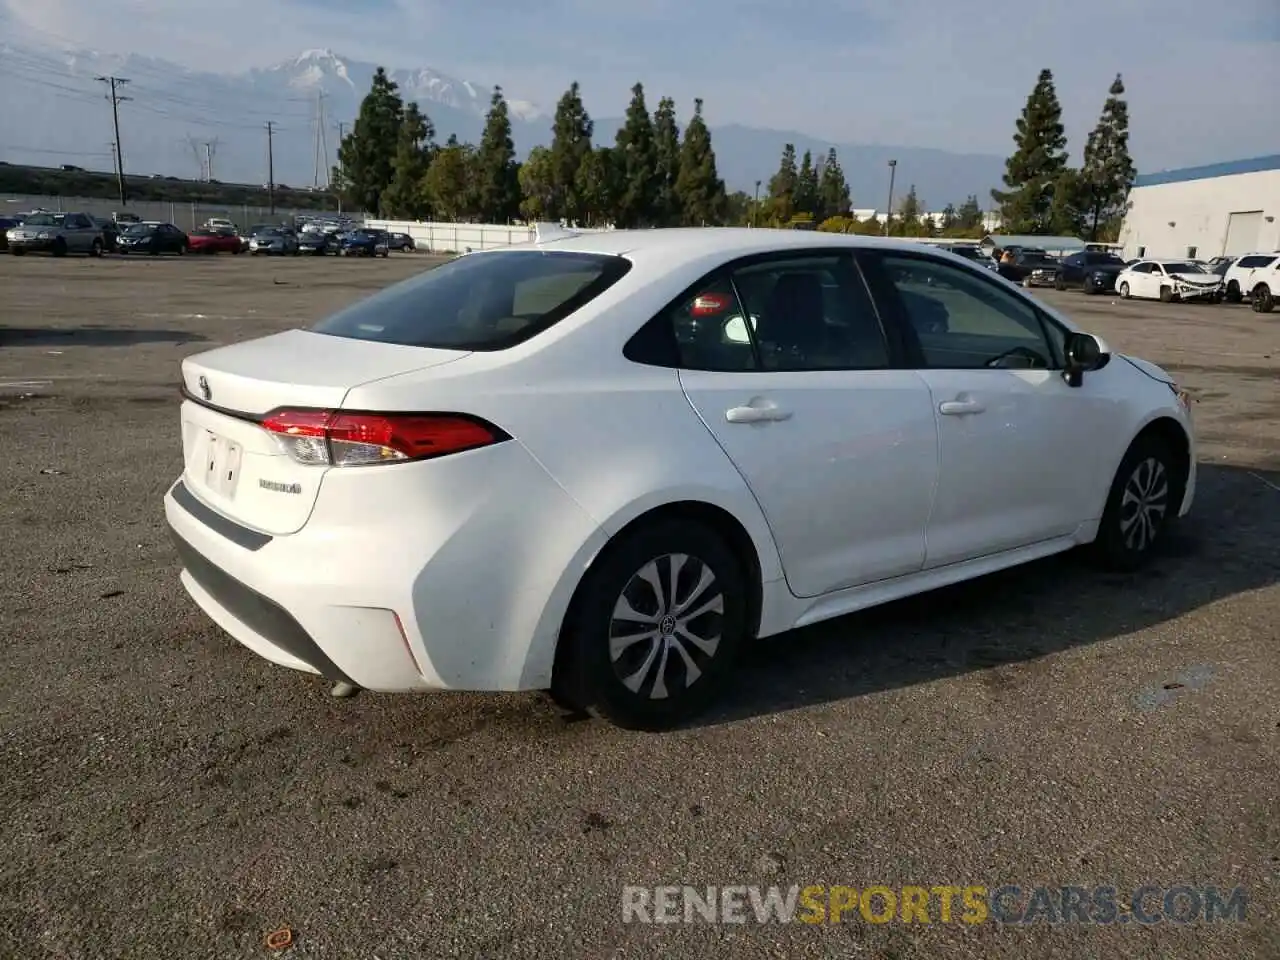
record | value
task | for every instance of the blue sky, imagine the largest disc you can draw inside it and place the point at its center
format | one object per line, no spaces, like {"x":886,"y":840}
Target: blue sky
{"x":1204,"y":81}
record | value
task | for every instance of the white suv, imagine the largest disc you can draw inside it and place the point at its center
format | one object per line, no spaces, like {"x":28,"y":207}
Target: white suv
{"x":1255,"y":277}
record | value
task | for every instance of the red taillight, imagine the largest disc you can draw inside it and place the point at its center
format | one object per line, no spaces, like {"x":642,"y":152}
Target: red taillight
{"x":342,"y":439}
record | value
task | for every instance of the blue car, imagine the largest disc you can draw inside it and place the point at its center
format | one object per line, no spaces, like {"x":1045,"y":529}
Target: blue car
{"x":366,"y":242}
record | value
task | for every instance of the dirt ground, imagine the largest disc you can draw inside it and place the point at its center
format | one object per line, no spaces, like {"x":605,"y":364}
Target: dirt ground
{"x":166,"y":793}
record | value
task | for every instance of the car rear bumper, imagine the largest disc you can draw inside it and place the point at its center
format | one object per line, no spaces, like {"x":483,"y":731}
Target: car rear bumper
{"x":412,"y":577}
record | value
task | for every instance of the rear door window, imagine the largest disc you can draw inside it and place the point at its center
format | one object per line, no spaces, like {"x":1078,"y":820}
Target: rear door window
{"x":485,"y":301}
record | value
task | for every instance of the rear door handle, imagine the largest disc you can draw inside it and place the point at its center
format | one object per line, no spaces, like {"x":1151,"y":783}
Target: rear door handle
{"x":959,"y":408}
{"x":751,"y":413}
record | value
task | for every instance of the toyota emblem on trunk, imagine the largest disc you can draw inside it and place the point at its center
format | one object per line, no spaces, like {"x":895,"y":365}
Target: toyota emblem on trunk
{"x":205,"y":392}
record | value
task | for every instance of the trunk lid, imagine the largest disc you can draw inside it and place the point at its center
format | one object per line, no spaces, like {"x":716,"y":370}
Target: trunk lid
{"x":237,"y":467}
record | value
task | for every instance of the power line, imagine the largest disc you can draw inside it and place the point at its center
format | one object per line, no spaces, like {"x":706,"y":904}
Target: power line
{"x":116,"y":99}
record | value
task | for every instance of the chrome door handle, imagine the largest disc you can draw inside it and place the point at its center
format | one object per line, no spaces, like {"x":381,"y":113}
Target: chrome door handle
{"x":959,"y":408}
{"x":756,"y":414}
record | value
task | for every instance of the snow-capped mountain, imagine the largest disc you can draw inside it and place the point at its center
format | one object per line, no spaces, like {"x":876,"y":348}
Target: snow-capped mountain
{"x":54,"y":112}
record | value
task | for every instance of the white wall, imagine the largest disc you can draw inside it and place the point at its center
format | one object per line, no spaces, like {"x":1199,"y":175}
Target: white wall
{"x":1200,"y":211}
{"x":459,"y":237}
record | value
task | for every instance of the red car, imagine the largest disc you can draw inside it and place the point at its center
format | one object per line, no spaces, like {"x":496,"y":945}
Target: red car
{"x":209,"y":241}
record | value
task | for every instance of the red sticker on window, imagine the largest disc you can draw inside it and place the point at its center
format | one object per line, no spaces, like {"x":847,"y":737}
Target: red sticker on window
{"x":709,"y":304}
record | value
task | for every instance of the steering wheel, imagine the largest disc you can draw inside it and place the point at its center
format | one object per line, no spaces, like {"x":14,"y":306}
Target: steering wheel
{"x":1035,"y":360}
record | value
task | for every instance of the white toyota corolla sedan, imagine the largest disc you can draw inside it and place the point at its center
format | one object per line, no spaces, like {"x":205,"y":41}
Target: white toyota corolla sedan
{"x":601,"y":464}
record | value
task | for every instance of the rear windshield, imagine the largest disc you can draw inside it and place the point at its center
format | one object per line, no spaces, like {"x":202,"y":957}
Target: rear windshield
{"x":483,"y":301}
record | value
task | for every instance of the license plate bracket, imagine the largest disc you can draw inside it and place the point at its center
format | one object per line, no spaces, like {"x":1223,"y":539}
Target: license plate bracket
{"x":222,"y":464}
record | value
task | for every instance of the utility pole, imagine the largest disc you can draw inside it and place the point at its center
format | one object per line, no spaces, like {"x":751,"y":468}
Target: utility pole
{"x":320,"y":142}
{"x":342,"y":173}
{"x":116,"y":99}
{"x":209,"y":147}
{"x":888,"y":217}
{"x":271,"y":168}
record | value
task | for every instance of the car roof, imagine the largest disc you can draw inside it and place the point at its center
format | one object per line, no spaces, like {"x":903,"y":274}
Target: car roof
{"x":679,"y":244}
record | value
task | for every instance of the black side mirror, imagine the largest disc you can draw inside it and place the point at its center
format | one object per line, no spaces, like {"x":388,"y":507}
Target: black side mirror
{"x":1084,"y":353}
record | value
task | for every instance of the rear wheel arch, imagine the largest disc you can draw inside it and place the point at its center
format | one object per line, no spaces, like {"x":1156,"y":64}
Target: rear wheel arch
{"x":716,"y":519}
{"x":567,"y":676}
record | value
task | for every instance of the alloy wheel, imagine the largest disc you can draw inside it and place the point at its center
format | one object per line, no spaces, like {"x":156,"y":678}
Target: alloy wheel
{"x":1144,"y":504}
{"x":666,"y":626}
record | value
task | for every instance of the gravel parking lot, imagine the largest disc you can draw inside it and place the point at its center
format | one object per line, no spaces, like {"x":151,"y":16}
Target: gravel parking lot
{"x":165,"y":793}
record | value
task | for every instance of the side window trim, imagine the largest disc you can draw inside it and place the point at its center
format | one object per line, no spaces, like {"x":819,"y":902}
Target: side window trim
{"x":883,"y":288}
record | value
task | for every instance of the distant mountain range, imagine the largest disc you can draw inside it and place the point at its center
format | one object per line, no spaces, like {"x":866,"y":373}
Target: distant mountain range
{"x":55,"y":112}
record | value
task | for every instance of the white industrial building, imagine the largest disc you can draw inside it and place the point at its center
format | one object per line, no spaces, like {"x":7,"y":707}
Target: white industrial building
{"x":1225,"y":209}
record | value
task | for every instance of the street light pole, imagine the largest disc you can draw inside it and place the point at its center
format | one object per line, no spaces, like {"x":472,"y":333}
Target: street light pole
{"x":756,"y":204}
{"x":893,"y":169}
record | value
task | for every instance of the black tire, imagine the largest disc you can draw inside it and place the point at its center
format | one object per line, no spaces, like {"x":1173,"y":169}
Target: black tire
{"x":1233,"y":292}
{"x":17,"y":252}
{"x":1263,"y":299}
{"x":1123,"y":291}
{"x":59,"y":248}
{"x":96,"y":249}
{"x":1166,"y":295}
{"x":589,"y":678}
{"x":1059,"y":284}
{"x":1124,"y":542}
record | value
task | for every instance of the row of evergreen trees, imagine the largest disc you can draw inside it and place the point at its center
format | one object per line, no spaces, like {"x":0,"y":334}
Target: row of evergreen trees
{"x":391,"y":163}
{"x":653,"y":175}
{"x":1044,"y":194}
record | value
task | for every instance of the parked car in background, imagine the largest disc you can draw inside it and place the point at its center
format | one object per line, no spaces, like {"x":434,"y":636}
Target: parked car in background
{"x":7,"y":224}
{"x":153,"y":238}
{"x":273,"y":241}
{"x":219,"y":225}
{"x":365,"y":242}
{"x":789,"y":455}
{"x":212,"y":241}
{"x":1169,"y":281}
{"x":1091,"y":272}
{"x":122,"y":217}
{"x":974,"y":254}
{"x":58,"y":234}
{"x":1030,"y":267}
{"x":317,"y":243}
{"x":1244,"y":276}
{"x":400,"y":241}
{"x":110,"y":233}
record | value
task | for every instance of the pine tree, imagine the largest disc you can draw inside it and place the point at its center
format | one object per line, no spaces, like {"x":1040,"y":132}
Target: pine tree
{"x":806,"y":196}
{"x":495,"y":174}
{"x":366,"y":153}
{"x":833,"y":189}
{"x":638,"y":165}
{"x":949,"y":218}
{"x":537,"y":186}
{"x":909,"y":210}
{"x":405,"y":197}
{"x":449,"y":182}
{"x":782,"y":186}
{"x":969,"y":216}
{"x":1108,"y":170}
{"x":1033,"y":170}
{"x":598,"y":186}
{"x":570,"y":144}
{"x":699,"y":187}
{"x":666,"y":136}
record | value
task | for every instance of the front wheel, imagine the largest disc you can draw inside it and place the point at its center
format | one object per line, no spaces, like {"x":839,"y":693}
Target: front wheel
{"x":655,"y":627}
{"x":1233,"y":292}
{"x":1059,"y":284}
{"x":1263,"y":299}
{"x":1145,"y":498}
{"x":1124,"y":291}
{"x":96,"y":249}
{"x":59,"y":248}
